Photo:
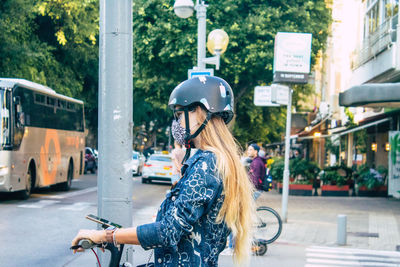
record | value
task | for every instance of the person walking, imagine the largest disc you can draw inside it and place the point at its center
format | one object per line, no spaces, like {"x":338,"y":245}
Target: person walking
{"x":213,"y":196}
{"x":177,"y":155}
{"x":257,"y":169}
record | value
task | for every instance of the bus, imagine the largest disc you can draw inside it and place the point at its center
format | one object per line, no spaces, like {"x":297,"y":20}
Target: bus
{"x":42,"y":137}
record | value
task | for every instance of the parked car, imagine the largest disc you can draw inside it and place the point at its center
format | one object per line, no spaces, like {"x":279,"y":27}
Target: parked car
{"x":90,"y":161}
{"x":137,"y":163}
{"x":157,"y":167}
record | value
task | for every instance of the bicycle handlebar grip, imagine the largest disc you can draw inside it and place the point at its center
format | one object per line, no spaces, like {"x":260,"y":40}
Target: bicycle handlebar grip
{"x":87,"y":243}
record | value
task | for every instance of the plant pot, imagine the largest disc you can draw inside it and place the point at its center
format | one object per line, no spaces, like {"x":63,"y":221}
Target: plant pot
{"x":380,"y":191}
{"x":335,"y":191}
{"x":300,"y":189}
{"x":297,"y":189}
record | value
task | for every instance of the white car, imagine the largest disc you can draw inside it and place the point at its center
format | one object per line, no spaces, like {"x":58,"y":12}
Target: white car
{"x":137,"y":163}
{"x":157,"y":167}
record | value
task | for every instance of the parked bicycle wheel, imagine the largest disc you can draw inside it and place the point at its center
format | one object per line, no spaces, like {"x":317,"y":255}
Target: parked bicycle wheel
{"x":268,"y":225}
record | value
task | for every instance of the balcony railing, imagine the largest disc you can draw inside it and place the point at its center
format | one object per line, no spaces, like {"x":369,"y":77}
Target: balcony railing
{"x":376,"y":42}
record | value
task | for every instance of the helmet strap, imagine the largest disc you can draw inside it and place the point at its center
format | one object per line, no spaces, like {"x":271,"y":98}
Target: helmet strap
{"x":188,"y":139}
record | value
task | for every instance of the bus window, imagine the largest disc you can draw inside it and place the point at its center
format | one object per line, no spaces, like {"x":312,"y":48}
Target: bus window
{"x":62,"y":104}
{"x":50,"y":101}
{"x":5,"y":117}
{"x":39,"y":98}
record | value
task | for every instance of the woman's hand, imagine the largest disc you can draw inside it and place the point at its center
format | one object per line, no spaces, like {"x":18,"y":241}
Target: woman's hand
{"x":96,"y":236}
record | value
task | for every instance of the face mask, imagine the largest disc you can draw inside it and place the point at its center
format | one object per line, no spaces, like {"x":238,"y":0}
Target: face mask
{"x":178,"y":132}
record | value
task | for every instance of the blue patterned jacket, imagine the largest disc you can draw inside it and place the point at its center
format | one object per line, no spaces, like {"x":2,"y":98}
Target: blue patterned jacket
{"x":186,"y":232}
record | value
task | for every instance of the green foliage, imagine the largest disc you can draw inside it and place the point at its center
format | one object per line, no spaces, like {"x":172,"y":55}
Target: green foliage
{"x":165,"y":48}
{"x":277,"y":169}
{"x":336,"y":175}
{"x":371,"y":178}
{"x":55,"y":42}
{"x":302,"y":170}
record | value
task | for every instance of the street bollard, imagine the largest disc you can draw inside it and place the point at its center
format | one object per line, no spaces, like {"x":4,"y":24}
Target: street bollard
{"x":341,"y":229}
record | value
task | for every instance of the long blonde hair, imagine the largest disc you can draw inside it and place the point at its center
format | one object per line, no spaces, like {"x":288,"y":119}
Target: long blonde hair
{"x":237,"y":210}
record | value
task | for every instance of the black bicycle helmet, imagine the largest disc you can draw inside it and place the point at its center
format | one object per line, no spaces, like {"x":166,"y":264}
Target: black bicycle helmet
{"x":212,"y":93}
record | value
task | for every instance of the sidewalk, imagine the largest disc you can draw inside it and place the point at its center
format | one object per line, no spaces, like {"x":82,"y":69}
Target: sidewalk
{"x":312,"y":220}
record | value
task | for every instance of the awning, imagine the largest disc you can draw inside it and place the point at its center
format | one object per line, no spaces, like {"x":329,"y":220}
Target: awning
{"x":313,"y":137}
{"x":363,"y":126}
{"x":318,"y":124}
{"x":355,"y":129}
{"x":371,"y":95}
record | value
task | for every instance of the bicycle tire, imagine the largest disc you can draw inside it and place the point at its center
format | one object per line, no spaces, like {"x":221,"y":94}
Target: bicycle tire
{"x":269,"y":224}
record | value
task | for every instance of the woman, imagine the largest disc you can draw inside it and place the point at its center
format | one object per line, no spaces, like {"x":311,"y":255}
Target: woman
{"x":214,"y":195}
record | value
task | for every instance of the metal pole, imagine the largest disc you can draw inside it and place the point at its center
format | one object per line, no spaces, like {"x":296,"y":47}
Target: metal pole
{"x":341,"y":230}
{"x":201,"y":14}
{"x":115,"y":116}
{"x":286,"y":172}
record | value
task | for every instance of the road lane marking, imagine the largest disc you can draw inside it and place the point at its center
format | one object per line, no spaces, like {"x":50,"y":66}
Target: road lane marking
{"x":73,"y":194}
{"x":77,"y":206}
{"x":38,"y":205}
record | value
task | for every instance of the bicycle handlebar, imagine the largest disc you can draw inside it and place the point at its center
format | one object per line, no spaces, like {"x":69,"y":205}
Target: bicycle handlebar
{"x":85,"y":244}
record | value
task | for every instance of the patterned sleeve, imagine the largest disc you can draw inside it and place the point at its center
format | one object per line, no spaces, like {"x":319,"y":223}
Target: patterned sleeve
{"x":197,"y":194}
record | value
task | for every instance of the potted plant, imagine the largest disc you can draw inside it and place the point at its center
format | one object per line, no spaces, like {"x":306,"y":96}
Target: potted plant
{"x":371,"y":182}
{"x":276,"y":171}
{"x":302,"y":173}
{"x":335,"y":181}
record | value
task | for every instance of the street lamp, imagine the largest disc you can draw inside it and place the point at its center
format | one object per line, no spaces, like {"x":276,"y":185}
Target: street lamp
{"x":218,"y":39}
{"x":184,"y":8}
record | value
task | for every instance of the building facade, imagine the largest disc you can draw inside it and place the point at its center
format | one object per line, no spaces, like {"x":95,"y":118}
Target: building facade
{"x":358,"y":80}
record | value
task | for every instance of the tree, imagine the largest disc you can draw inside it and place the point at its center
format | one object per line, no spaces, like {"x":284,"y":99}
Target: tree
{"x":55,"y":42}
{"x":165,"y":47}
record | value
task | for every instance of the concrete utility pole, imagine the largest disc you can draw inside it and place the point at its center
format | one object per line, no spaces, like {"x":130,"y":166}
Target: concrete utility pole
{"x":115,"y":115}
{"x":286,"y":171}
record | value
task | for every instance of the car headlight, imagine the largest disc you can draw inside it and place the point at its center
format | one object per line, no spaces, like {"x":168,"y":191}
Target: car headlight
{"x":4,"y":170}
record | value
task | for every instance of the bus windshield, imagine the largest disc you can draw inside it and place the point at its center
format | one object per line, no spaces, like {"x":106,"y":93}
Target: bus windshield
{"x":5,"y":117}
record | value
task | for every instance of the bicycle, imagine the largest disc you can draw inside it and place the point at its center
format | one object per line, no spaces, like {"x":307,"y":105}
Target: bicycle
{"x":116,"y":252}
{"x":268,"y":227}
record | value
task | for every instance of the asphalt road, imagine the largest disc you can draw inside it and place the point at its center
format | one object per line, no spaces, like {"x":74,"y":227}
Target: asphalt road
{"x":38,"y":231}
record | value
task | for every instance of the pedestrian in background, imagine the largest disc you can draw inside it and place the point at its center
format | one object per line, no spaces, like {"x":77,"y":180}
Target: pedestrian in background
{"x":257,"y":169}
{"x":177,"y":155}
{"x":213,"y":196}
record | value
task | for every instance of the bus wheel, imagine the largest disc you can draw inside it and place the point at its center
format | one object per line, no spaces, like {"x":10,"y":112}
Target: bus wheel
{"x":67,"y":185}
{"x":25,"y":194}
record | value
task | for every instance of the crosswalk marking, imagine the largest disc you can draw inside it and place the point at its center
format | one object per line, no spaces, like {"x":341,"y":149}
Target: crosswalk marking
{"x":38,"y":205}
{"x":328,"y":256}
{"x":77,"y":206}
{"x":353,"y":251}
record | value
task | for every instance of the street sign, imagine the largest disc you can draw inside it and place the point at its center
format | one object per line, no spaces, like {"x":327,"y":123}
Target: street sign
{"x":292,"y":54}
{"x":197,"y":72}
{"x":263,"y":96}
{"x":280,"y":94}
{"x":287,"y":77}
